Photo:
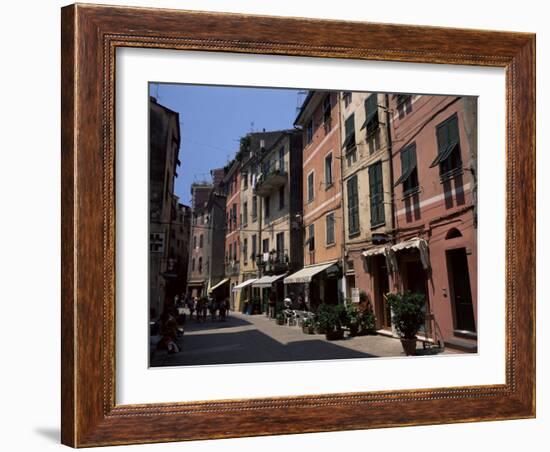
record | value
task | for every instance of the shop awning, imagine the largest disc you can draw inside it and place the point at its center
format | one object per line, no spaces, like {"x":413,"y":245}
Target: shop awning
{"x":244,"y":284}
{"x":195,"y":283}
{"x":418,"y":243}
{"x":266,"y":281}
{"x":307,"y":273}
{"x":221,"y":283}
{"x":374,"y":251}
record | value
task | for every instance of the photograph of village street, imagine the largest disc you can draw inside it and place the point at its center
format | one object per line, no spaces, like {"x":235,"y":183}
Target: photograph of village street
{"x":298,"y":225}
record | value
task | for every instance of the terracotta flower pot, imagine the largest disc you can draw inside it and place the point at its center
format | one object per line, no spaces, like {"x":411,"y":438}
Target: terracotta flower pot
{"x":409,"y":346}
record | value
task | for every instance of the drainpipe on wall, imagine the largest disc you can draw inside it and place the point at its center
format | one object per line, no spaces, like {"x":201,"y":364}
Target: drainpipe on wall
{"x":344,"y":266}
{"x":390,"y":150}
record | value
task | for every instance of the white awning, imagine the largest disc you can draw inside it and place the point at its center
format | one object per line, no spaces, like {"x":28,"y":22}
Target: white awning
{"x":375,"y":251}
{"x":418,"y":243}
{"x":307,"y":273}
{"x":244,"y":284}
{"x":266,"y":281}
{"x":221,"y":283}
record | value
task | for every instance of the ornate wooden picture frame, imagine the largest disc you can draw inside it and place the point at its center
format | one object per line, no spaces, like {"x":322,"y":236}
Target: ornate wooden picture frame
{"x":90,"y":37}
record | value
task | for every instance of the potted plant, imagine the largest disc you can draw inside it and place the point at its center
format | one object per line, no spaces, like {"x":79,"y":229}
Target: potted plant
{"x":308,"y":326}
{"x":352,"y":319}
{"x":367,"y":321}
{"x":280,"y":319}
{"x":331,"y":320}
{"x":407,"y":317}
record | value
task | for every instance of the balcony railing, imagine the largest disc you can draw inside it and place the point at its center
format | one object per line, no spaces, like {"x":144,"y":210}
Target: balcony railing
{"x":273,"y":261}
{"x":232,"y":268}
{"x":272,"y":177}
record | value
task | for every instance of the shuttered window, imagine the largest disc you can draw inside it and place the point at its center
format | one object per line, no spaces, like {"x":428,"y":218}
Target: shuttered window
{"x":330,"y":228}
{"x":349,"y":142}
{"x":371,"y":114}
{"x":353,"y":206}
{"x":376,"y":194}
{"x":409,"y":171}
{"x":448,"y":147}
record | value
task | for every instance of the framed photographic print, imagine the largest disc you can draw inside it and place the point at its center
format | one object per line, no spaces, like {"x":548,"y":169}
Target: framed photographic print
{"x":281,"y":225}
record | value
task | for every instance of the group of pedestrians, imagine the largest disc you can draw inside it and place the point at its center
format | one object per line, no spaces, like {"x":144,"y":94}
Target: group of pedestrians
{"x":201,"y":307}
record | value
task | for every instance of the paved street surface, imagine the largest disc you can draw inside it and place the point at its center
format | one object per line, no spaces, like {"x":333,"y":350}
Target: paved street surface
{"x":254,"y":338}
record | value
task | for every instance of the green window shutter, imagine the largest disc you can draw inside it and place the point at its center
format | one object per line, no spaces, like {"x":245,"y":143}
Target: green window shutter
{"x":376,"y":194}
{"x":353,"y":202}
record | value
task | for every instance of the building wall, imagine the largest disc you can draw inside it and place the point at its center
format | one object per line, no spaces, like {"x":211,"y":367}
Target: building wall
{"x":164,"y":142}
{"x":283,"y":219}
{"x":442,"y":205}
{"x":325,"y":140}
{"x":199,"y":198}
{"x":233,"y":245}
{"x":369,"y":150}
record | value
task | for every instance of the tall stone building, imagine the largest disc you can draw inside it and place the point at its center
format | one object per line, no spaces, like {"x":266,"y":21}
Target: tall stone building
{"x":319,"y":118}
{"x":164,"y":144}
{"x":197,"y":281}
{"x":235,"y":218}
{"x":367,"y":188}
{"x":215,"y":229}
{"x":280,"y":209}
{"x":252,"y":147}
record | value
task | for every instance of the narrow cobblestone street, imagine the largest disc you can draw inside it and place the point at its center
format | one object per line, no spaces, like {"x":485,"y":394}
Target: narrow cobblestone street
{"x":255,"y":338}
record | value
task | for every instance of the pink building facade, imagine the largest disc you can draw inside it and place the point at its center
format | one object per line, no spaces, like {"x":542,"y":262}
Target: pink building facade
{"x":434,"y":248}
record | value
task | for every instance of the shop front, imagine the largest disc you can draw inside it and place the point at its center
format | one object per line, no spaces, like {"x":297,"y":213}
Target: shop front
{"x":315,"y":284}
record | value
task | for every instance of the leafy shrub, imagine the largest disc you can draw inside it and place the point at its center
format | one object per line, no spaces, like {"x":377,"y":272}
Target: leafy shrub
{"x":407,"y":312}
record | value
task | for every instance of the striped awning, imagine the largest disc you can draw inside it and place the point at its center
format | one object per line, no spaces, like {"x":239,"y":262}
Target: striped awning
{"x":306,"y":274}
{"x":266,"y":281}
{"x":244,"y":284}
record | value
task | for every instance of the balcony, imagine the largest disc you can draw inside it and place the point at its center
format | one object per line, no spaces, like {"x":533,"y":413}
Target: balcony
{"x":232,"y":268}
{"x":274,"y":262}
{"x":273,"y":177}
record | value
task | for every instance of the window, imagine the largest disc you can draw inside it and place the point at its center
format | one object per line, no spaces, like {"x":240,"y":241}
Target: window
{"x":309,"y":131}
{"x":371,"y":114}
{"x":254,"y":208}
{"x":448,"y":147}
{"x":346,"y":95}
{"x":193,"y":264}
{"x":328,"y":170}
{"x":404,"y":104}
{"x":349,"y":142}
{"x":311,"y":237}
{"x":282,"y":159}
{"x":254,"y":247}
{"x":267,"y":201}
{"x":327,"y":109}
{"x":281,"y":197}
{"x":245,"y":213}
{"x":194,"y":241}
{"x":200,"y":264}
{"x":244,"y":178}
{"x":230,"y":251}
{"x":280,"y":244}
{"x":200,"y":241}
{"x":245,"y":251}
{"x":265,"y":246}
{"x":235,"y":248}
{"x":353,"y":206}
{"x":310,"y":187}
{"x":409,"y":171}
{"x":376,"y":194}
{"x":234,"y":215}
{"x":330,"y":228}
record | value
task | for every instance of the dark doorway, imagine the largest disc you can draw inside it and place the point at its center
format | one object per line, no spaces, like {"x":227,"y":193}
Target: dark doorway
{"x":331,"y":291}
{"x":459,"y":280}
{"x":381,"y":288}
{"x":417,"y":281}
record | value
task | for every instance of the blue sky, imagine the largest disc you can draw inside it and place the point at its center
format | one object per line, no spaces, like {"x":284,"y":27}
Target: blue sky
{"x":213,"y":118}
